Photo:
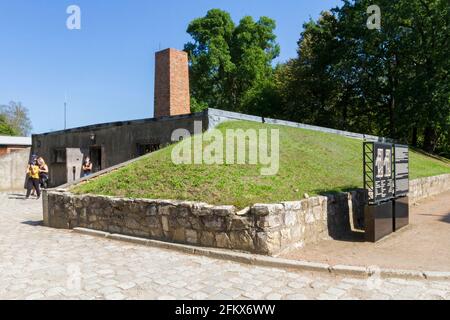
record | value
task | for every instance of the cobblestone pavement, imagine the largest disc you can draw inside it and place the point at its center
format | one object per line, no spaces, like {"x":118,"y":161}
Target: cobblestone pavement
{"x":42,"y":263}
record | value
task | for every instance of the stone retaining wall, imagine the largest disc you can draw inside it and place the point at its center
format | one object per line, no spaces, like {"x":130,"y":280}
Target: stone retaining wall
{"x":263,"y":228}
{"x":427,"y":187}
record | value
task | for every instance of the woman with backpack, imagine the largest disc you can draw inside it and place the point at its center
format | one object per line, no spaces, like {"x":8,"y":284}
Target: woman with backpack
{"x":33,"y":179}
{"x":43,"y":172}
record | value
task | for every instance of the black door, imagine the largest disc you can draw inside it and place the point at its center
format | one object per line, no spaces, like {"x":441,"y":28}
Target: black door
{"x":95,"y":153}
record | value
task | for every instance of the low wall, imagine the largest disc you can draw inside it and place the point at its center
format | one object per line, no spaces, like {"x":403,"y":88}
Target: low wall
{"x":263,"y":228}
{"x":12,"y":170}
{"x":216,"y":117}
{"x":427,"y":187}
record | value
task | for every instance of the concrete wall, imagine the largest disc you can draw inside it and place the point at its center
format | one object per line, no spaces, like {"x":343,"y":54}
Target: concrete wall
{"x":12,"y":170}
{"x":118,"y":142}
{"x":217,"y":116}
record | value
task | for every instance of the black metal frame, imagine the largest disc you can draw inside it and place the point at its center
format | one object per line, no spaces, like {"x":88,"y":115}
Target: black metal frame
{"x":387,"y":215}
{"x":368,"y":169}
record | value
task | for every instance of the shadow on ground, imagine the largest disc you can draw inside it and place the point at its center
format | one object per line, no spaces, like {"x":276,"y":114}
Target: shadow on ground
{"x":39,"y":223}
{"x":16,"y":196}
{"x":346,"y":221}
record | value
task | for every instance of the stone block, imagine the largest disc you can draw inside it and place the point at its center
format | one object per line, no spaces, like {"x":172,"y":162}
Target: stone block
{"x":132,"y":224}
{"x":242,"y":240}
{"x":269,"y":221}
{"x":156,"y":233}
{"x":290,"y":218}
{"x":293,"y":205}
{"x":191,"y":236}
{"x":309,"y":216}
{"x":267,"y":209}
{"x":223,"y":241}
{"x":195,"y":223}
{"x":214,"y":223}
{"x":285,"y":237}
{"x":317,"y":211}
{"x":268,"y":242}
{"x":112,"y":228}
{"x":223,"y":211}
{"x":297,"y":233}
{"x":151,"y":210}
{"x":239,"y":223}
{"x":165,"y":223}
{"x":164,"y":210}
{"x":153,"y":222}
{"x":179,"y":235}
{"x":207,"y":239}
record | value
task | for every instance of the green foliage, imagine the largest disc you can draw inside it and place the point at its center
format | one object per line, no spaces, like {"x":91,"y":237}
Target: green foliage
{"x":230,"y":64}
{"x":197,"y":106}
{"x":5,"y":128}
{"x":15,"y":115}
{"x":392,"y":82}
{"x":310,"y":162}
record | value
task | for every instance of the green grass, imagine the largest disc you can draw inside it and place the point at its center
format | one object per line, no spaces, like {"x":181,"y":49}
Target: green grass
{"x":310,"y":162}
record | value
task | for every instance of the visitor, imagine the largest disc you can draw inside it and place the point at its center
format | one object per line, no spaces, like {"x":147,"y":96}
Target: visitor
{"x":33,"y":179}
{"x":43,"y":173}
{"x":33,"y":159}
{"x":87,"y":167}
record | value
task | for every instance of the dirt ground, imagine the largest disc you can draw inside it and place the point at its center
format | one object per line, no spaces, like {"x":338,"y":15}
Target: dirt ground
{"x":423,"y":245}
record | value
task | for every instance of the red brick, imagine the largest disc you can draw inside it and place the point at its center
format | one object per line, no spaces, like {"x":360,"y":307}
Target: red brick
{"x":171,"y":83}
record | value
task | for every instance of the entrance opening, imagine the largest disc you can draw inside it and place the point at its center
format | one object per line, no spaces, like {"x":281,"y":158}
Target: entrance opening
{"x":143,"y":149}
{"x":95,"y":153}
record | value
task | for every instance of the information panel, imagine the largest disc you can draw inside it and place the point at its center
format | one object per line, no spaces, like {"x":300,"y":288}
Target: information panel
{"x":383,"y":180}
{"x":401,"y":155}
{"x":378,"y":171}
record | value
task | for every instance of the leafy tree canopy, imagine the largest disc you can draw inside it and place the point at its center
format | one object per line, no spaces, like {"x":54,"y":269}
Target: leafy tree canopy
{"x":229,"y":64}
{"x":15,"y":116}
{"x":5,"y":128}
{"x":392,"y":82}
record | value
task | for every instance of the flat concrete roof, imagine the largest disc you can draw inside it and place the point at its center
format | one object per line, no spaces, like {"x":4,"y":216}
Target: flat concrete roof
{"x":15,"y":141}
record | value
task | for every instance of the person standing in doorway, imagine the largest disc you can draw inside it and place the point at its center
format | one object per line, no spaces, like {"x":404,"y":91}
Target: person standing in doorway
{"x":43,"y":172}
{"x":33,"y":179}
{"x":87,"y":167}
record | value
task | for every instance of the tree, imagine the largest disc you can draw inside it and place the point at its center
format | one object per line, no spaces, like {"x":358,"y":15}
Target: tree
{"x":16,"y":116}
{"x":229,"y":63}
{"x":5,"y":128}
{"x":392,"y":82}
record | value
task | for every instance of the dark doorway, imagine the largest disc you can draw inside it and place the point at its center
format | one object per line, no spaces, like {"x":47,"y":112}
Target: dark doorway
{"x":95,"y":153}
{"x":143,"y":149}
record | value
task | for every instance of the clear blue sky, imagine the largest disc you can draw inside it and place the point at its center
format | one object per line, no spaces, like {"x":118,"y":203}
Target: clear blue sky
{"x":107,"y":67}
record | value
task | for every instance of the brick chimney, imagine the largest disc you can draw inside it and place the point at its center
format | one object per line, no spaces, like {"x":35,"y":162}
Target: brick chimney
{"x":171,"y":83}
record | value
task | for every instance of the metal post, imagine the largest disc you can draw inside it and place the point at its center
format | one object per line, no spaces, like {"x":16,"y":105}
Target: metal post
{"x":65,"y":115}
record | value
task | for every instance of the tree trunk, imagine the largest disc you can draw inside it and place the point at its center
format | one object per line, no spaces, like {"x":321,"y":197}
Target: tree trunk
{"x":414,"y":137}
{"x":391,"y":117}
{"x":429,"y":142}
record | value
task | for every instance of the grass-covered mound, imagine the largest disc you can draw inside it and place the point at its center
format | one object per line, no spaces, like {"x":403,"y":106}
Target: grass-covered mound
{"x":310,"y":162}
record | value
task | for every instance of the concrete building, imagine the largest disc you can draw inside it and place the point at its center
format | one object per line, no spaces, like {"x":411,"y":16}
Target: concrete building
{"x":113,"y":143}
{"x":10,"y":144}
